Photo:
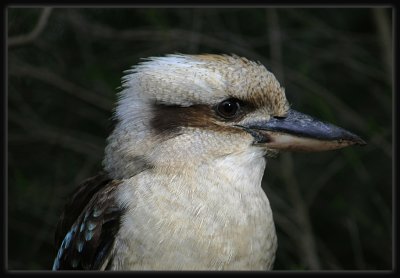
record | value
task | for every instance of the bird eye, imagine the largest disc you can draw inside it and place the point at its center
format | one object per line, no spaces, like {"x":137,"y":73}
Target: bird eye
{"x":229,"y":108}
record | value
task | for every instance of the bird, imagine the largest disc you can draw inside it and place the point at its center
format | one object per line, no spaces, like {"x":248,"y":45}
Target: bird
{"x":180,"y":187}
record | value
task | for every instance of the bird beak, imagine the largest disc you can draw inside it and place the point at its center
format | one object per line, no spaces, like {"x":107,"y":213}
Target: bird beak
{"x":300,"y":132}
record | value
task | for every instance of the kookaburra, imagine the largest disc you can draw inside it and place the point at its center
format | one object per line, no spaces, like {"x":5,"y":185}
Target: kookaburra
{"x":181,"y":186}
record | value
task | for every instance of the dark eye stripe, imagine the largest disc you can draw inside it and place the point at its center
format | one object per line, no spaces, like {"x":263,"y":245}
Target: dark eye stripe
{"x":168,"y":119}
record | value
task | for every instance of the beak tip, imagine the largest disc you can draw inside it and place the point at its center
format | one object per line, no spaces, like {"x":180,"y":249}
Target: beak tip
{"x":353,"y":138}
{"x":360,"y":142}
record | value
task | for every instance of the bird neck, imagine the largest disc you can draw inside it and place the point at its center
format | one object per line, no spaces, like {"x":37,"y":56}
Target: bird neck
{"x":240,"y":172}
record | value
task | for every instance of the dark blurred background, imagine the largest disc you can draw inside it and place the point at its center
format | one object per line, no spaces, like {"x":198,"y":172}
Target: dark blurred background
{"x":333,"y":210}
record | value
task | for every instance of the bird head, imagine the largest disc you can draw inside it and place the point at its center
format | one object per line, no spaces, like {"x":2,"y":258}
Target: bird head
{"x":182,"y":110}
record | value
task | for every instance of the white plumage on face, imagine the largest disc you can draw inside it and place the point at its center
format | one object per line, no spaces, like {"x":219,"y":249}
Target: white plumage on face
{"x":178,"y":95}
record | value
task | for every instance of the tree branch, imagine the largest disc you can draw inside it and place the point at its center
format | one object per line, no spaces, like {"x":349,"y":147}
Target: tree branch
{"x":307,"y":249}
{"x":52,"y":78}
{"x":27,"y":38}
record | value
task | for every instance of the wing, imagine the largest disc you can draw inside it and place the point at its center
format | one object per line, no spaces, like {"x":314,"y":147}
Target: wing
{"x":86,"y":231}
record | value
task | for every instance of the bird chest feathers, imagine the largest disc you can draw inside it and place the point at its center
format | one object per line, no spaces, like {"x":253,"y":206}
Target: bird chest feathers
{"x":198,"y":222}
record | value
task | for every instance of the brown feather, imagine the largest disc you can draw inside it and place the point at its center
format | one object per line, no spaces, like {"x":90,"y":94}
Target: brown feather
{"x":89,"y":225}
{"x":168,"y":119}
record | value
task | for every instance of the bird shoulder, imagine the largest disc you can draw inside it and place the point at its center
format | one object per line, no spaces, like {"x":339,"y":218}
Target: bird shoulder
{"x":86,"y":231}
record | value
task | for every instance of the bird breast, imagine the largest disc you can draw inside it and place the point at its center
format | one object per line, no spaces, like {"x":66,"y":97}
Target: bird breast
{"x":210,"y":217}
